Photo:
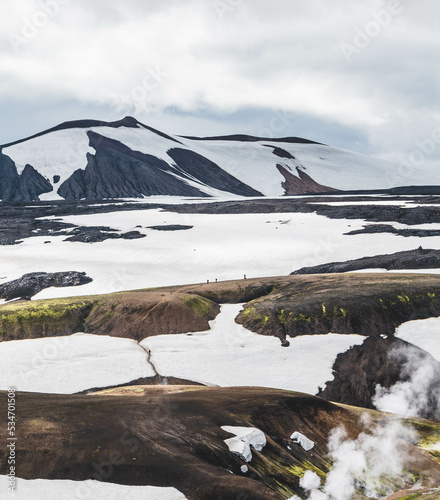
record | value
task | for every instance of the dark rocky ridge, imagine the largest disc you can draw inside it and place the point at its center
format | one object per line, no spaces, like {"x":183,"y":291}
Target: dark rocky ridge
{"x":409,"y":259}
{"x":30,"y":284}
{"x":252,"y":138}
{"x":115,"y":171}
{"x":387,"y":228}
{"x":280,"y":152}
{"x":128,"y":121}
{"x":171,"y":227}
{"x":364,"y":304}
{"x":292,"y":305}
{"x":301,"y":184}
{"x":29,"y":185}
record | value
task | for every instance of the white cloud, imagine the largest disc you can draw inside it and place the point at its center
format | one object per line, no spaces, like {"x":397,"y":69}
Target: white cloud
{"x":222,"y":56}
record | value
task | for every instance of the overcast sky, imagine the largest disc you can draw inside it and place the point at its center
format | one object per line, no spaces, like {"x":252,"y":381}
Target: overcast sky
{"x":362,"y":75}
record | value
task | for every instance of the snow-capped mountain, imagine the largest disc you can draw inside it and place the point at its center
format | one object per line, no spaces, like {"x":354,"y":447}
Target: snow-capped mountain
{"x":94,"y":160}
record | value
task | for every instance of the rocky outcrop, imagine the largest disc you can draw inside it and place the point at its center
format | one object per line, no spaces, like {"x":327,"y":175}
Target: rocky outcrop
{"x":171,"y":227}
{"x":363,"y":304}
{"x":134,"y":315}
{"x":387,"y":228}
{"x":115,"y":171}
{"x":30,"y":284}
{"x":280,"y":152}
{"x":301,"y":184}
{"x":384,"y":362}
{"x":410,"y":259}
{"x":97,"y":234}
{"x":27,"y":186}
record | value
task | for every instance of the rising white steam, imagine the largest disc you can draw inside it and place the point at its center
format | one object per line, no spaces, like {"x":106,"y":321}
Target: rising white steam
{"x":417,"y":394}
{"x":360,"y":464}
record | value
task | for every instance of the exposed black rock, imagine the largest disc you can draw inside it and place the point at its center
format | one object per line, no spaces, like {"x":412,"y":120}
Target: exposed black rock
{"x":192,"y":165}
{"x":9,"y":180}
{"x":115,"y":171}
{"x":387,"y":228}
{"x":56,"y":179}
{"x":301,"y":184}
{"x":385,"y":362}
{"x":128,"y":121}
{"x":32,"y":184}
{"x":20,"y":220}
{"x":252,"y":138}
{"x":171,"y":227}
{"x":86,"y":234}
{"x":280,"y":152}
{"x":410,"y":259}
{"x":30,"y":284}
{"x":24,"y":187}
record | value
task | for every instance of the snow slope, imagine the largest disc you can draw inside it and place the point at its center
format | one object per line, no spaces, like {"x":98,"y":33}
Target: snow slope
{"x":230,"y":355}
{"x":423,"y":333}
{"x":61,"y":152}
{"x":71,"y":364}
{"x":55,"y":489}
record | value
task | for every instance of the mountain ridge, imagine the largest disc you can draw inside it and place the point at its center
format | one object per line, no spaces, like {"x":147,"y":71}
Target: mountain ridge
{"x":92,"y":159}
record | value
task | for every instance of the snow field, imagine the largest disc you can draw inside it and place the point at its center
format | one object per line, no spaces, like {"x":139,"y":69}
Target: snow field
{"x":423,"y":333}
{"x":230,"y":355}
{"x":218,"y":246}
{"x":71,"y":364}
{"x":55,"y":489}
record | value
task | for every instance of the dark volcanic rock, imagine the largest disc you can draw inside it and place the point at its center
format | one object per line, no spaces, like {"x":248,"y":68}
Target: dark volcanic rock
{"x":115,"y":171}
{"x":384,"y":362}
{"x":387,"y":228}
{"x":280,"y":152}
{"x":9,"y":180}
{"x":32,"y":184}
{"x":252,"y":138}
{"x":24,"y":187}
{"x":30,"y":284}
{"x":86,"y":234}
{"x":357,"y":386}
{"x":302,"y":184}
{"x":410,"y":259}
{"x":171,"y":227}
{"x":192,"y":165}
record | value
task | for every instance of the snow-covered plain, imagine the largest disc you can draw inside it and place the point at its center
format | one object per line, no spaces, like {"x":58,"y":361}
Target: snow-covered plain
{"x":218,"y":246}
{"x":230,"y":355}
{"x":55,"y":489}
{"x":71,"y":364}
{"x":423,"y":333}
